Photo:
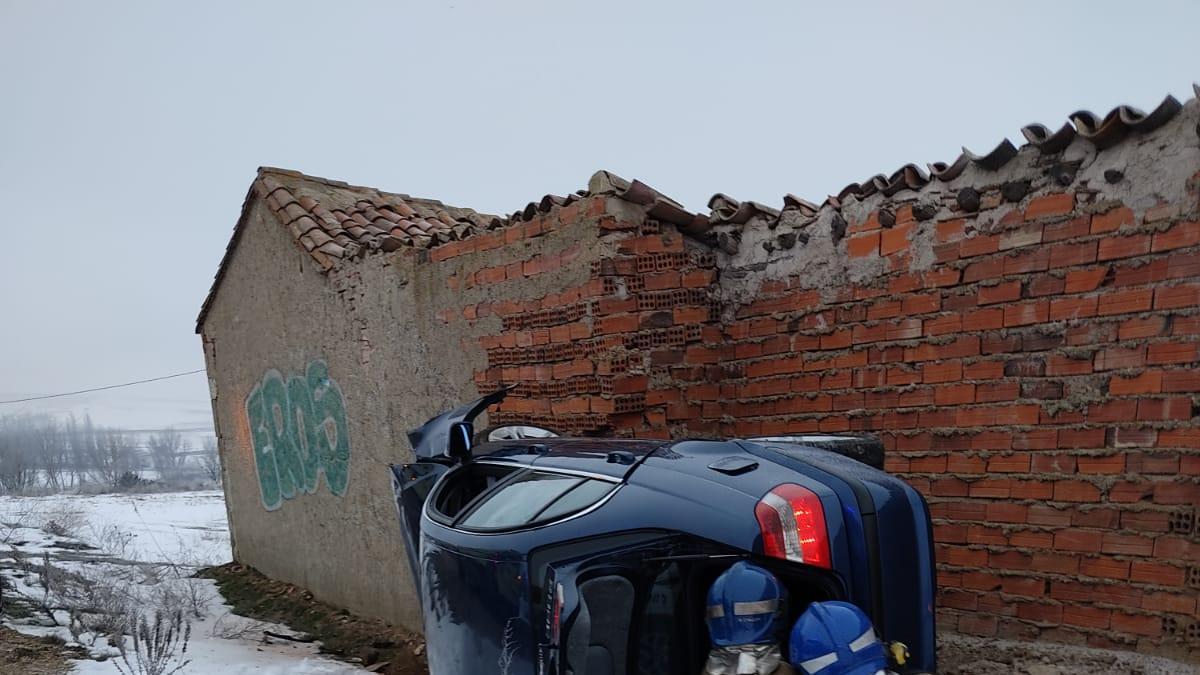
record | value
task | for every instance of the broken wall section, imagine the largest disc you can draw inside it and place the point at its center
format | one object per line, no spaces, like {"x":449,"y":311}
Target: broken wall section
{"x":1025,"y":339}
{"x":605,"y":356}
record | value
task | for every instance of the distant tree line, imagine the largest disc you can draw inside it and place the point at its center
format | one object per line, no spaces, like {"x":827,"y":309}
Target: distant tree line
{"x":42,"y":453}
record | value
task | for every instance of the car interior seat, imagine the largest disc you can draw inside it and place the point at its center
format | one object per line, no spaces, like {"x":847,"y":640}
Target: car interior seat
{"x":599,"y":640}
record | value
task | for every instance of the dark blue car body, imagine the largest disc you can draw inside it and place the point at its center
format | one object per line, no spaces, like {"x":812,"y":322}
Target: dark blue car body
{"x":616,"y":586}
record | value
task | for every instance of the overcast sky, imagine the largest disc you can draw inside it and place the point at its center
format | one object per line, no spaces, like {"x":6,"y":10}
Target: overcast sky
{"x":129,"y":132}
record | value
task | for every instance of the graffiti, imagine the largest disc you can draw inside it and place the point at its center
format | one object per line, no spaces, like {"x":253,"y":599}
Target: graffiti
{"x":298,"y":429}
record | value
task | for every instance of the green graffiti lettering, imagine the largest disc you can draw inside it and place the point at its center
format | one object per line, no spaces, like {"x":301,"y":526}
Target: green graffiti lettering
{"x":291,"y":472}
{"x":298,"y":428}
{"x":329,"y":411}
{"x":303,"y":431}
{"x":264,"y":458}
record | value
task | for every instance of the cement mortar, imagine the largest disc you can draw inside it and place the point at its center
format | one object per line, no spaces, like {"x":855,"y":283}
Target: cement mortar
{"x":1156,"y":166}
{"x":966,"y":655}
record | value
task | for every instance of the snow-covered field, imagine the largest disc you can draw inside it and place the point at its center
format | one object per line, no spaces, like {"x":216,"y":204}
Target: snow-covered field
{"x":76,"y":566}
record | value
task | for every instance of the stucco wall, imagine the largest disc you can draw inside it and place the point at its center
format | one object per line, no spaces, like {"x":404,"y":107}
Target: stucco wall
{"x":377,"y":324}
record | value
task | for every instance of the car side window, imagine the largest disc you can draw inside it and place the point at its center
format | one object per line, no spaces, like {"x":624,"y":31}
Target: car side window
{"x":531,"y":498}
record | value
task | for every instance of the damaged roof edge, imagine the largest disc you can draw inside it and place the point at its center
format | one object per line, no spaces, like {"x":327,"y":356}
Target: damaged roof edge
{"x":385,"y":221}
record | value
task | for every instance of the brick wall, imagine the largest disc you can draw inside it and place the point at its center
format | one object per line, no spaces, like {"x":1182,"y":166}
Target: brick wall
{"x":1036,"y":380}
{"x":1024,"y":339}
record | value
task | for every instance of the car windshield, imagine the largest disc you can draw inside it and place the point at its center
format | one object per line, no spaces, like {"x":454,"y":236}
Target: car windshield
{"x":534,"y":497}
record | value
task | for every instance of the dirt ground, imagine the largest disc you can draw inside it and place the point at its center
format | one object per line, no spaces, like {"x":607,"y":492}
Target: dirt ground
{"x":391,"y":651}
{"x":27,"y":655}
{"x":962,"y":655}
{"x":371,"y":643}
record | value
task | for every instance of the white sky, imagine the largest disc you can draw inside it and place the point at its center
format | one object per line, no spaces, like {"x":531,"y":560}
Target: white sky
{"x":129,"y":132}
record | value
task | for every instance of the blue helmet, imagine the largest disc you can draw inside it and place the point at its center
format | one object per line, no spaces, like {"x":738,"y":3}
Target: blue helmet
{"x":835,"y":638}
{"x":745,"y":604}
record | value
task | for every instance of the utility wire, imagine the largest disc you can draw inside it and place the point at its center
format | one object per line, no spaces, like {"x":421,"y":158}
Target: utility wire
{"x":111,"y":386}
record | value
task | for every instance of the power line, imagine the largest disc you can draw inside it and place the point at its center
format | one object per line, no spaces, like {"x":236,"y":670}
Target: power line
{"x":110,"y":386}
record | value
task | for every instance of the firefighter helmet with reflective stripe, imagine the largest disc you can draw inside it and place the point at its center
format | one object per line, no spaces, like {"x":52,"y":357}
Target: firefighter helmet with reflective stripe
{"x":746,"y":605}
{"x":835,"y":638}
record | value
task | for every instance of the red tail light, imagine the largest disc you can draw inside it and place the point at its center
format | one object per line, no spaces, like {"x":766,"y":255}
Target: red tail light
{"x":793,"y":527}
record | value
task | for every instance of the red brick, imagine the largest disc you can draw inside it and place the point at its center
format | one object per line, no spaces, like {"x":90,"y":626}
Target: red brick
{"x":1086,"y":541}
{"x":1177,"y":493}
{"x":1071,"y":254}
{"x":1040,"y":613}
{"x":1151,"y":326}
{"x":895,"y":239}
{"x":1127,"y":544}
{"x":948,"y":371}
{"x":1125,"y":301}
{"x":1086,"y":617}
{"x":697,"y":278}
{"x":980,"y":244}
{"x":1055,"y":563}
{"x":1112,"y":248}
{"x":1156,"y":573}
{"x":1004,"y":292}
{"x":862,"y":245}
{"x":921,"y":303}
{"x":1178,"y":381}
{"x":1112,"y":220}
{"x":1104,"y":567}
{"x":1059,"y":365}
{"x":1076,"y":491}
{"x":1029,"y":587}
{"x":1171,"y":352}
{"x":1071,"y":229}
{"x":950,"y":230}
{"x":1116,"y":358}
{"x":662,"y":280}
{"x":620,"y":323}
{"x":1149,"y":382}
{"x":1027,"y":235}
{"x":1067,"y":309}
{"x":1077,"y":438}
{"x":1163,"y":601}
{"x":979,"y":270}
{"x":991,"y":393}
{"x":1023,"y":314}
{"x":1179,"y":235}
{"x":1113,"y":411}
{"x":1050,"y":205}
{"x":1177,"y":548}
{"x":1082,"y":281}
{"x":1177,"y":297}
{"x":1002,"y":512}
{"x":1165,"y":409}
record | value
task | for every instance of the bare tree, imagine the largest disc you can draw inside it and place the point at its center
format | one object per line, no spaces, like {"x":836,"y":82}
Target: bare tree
{"x":210,"y":461}
{"x":116,"y":456}
{"x":167,"y":454}
{"x":18,"y":466}
{"x":54,"y":458}
{"x":83,"y":447}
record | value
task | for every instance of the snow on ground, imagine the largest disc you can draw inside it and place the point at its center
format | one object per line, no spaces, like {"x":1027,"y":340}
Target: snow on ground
{"x":113,"y":554}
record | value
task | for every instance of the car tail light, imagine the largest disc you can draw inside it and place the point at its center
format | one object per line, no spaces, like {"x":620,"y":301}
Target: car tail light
{"x":793,"y":527}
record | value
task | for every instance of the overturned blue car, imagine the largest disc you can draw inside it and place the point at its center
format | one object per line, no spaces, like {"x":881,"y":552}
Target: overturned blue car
{"x":587,"y":556}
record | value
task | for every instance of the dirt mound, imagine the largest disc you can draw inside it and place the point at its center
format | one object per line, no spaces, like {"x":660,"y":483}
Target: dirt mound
{"x":369,"y":642}
{"x":27,"y":655}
